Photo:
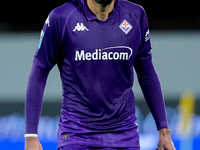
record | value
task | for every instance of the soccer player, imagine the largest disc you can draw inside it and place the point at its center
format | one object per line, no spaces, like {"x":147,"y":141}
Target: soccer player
{"x":96,"y":44}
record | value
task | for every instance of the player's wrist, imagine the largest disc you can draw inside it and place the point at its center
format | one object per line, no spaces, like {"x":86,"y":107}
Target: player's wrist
{"x":30,"y":135}
{"x":164,"y":132}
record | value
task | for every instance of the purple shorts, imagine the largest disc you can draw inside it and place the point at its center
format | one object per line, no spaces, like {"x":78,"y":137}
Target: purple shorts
{"x":83,"y":147}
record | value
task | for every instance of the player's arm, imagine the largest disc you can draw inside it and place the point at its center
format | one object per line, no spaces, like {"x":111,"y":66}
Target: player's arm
{"x":147,"y":75}
{"x":150,"y":85}
{"x":33,"y":105}
{"x":46,"y":56}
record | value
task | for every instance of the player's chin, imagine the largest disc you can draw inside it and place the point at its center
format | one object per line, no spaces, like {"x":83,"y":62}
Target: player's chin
{"x":103,"y":3}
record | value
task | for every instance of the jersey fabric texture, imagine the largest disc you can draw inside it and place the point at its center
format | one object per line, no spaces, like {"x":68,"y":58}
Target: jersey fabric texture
{"x":95,"y":59}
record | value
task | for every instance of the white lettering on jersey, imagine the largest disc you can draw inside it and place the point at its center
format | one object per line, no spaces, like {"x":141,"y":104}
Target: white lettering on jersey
{"x":147,"y":36}
{"x":102,"y":54}
{"x":80,"y":27}
{"x":47,"y":21}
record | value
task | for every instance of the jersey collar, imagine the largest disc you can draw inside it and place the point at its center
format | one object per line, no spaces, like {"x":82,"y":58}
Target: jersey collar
{"x":88,"y":13}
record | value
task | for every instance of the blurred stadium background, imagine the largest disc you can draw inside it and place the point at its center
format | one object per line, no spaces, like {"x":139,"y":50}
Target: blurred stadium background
{"x":175,"y":37}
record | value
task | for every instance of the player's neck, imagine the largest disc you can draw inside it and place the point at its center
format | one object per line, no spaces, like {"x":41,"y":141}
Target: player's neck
{"x":101,"y":12}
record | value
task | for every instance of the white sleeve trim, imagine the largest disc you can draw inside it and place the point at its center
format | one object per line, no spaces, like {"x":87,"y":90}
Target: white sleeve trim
{"x":31,"y":135}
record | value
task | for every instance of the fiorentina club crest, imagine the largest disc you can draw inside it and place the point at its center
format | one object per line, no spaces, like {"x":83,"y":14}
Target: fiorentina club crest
{"x":125,"y":26}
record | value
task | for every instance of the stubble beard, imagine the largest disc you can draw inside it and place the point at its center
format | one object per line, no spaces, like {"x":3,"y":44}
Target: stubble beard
{"x":104,"y":3}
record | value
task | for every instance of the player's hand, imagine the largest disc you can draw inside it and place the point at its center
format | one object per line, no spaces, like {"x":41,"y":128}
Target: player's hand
{"x":165,"y":141}
{"x":32,"y":143}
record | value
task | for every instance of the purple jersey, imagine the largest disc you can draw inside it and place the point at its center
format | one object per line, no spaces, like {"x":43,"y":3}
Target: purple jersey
{"x":96,"y":59}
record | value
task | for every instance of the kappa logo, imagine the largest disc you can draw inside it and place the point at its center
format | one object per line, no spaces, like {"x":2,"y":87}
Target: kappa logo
{"x":80,"y":27}
{"x":125,"y":26}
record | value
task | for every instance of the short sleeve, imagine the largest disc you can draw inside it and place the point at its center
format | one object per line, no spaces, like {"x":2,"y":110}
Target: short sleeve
{"x":145,"y":44}
{"x":49,"y":45}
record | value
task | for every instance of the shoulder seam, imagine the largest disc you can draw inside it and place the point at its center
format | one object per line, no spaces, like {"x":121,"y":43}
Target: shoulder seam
{"x":134,"y":14}
{"x":68,"y":19}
